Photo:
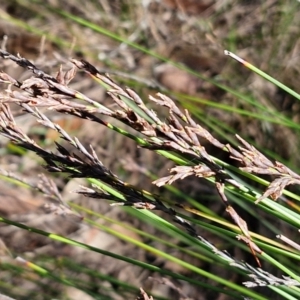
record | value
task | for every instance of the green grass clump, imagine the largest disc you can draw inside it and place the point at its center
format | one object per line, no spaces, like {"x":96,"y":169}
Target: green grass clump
{"x":239,"y":239}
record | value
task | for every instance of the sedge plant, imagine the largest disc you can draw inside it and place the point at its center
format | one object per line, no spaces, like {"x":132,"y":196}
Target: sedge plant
{"x":178,"y":139}
{"x":252,"y":181}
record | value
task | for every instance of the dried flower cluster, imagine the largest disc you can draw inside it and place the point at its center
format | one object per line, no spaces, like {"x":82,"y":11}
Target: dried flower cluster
{"x":179,"y":135}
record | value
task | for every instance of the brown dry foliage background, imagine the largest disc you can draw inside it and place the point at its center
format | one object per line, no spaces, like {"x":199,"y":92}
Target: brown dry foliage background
{"x":191,"y":32}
